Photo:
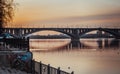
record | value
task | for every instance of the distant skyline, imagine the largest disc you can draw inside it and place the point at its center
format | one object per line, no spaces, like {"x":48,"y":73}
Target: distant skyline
{"x":85,"y":12}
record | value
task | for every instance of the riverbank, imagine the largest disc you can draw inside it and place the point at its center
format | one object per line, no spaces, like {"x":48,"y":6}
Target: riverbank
{"x":5,"y":70}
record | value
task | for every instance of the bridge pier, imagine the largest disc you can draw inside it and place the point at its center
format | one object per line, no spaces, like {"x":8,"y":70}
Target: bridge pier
{"x":75,"y":43}
{"x":75,"y":38}
{"x":75,"y":33}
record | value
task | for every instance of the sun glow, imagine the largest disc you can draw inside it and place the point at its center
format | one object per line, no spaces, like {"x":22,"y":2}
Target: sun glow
{"x":39,"y":12}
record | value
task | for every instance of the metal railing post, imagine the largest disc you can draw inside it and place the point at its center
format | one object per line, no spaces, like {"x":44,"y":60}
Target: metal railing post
{"x":58,"y":70}
{"x":48,"y":69}
{"x":72,"y":72}
{"x":40,"y":65}
{"x":33,"y":68}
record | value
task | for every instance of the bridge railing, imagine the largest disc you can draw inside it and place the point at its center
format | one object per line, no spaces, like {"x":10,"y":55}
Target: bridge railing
{"x":40,"y":68}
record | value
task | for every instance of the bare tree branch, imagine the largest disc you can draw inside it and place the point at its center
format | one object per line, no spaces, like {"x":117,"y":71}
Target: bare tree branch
{"x":6,"y":12}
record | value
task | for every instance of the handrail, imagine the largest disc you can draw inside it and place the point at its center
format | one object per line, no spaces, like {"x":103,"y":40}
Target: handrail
{"x":40,"y":68}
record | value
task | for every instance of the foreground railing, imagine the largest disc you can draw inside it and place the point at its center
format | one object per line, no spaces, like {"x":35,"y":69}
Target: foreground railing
{"x":40,"y":68}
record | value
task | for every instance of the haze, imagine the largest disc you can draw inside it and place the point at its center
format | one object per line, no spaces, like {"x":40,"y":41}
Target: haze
{"x":48,"y":13}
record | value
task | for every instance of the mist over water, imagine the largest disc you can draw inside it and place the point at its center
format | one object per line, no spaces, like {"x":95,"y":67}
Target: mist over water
{"x":87,"y":56}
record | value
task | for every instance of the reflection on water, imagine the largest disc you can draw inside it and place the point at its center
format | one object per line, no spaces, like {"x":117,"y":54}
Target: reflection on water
{"x":47,"y":44}
{"x":87,"y":56}
{"x":55,"y":45}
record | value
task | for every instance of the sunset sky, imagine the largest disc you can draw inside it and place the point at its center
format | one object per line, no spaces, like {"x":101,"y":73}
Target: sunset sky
{"x":70,"y":12}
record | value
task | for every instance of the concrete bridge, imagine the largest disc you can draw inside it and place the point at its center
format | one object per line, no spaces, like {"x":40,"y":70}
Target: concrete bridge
{"x":74,"y":33}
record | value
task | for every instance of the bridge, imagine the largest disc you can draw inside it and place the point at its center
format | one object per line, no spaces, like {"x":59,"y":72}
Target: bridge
{"x":74,"y":33}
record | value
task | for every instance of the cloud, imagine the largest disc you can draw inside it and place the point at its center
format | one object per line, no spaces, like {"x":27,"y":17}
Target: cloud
{"x":105,"y":18}
{"x":94,"y":17}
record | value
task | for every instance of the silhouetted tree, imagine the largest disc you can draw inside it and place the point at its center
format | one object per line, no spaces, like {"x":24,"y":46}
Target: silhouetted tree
{"x":6,"y":15}
{"x":6,"y":12}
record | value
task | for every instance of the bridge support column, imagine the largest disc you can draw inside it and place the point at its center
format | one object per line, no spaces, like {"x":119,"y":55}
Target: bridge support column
{"x":75,"y":33}
{"x":75,"y":43}
{"x":75,"y":38}
{"x":18,"y":32}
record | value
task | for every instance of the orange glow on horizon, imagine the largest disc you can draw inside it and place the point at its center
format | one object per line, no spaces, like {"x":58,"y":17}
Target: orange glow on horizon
{"x":63,"y":12}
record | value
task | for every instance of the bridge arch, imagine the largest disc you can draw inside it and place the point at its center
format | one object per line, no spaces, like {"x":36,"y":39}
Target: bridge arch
{"x":116,"y":35}
{"x":56,"y":30}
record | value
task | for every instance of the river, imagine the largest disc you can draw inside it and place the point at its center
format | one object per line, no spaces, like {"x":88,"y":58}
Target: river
{"x":87,"y":56}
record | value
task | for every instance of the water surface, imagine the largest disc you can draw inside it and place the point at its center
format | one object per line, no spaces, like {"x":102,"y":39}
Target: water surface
{"x":87,"y":56}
